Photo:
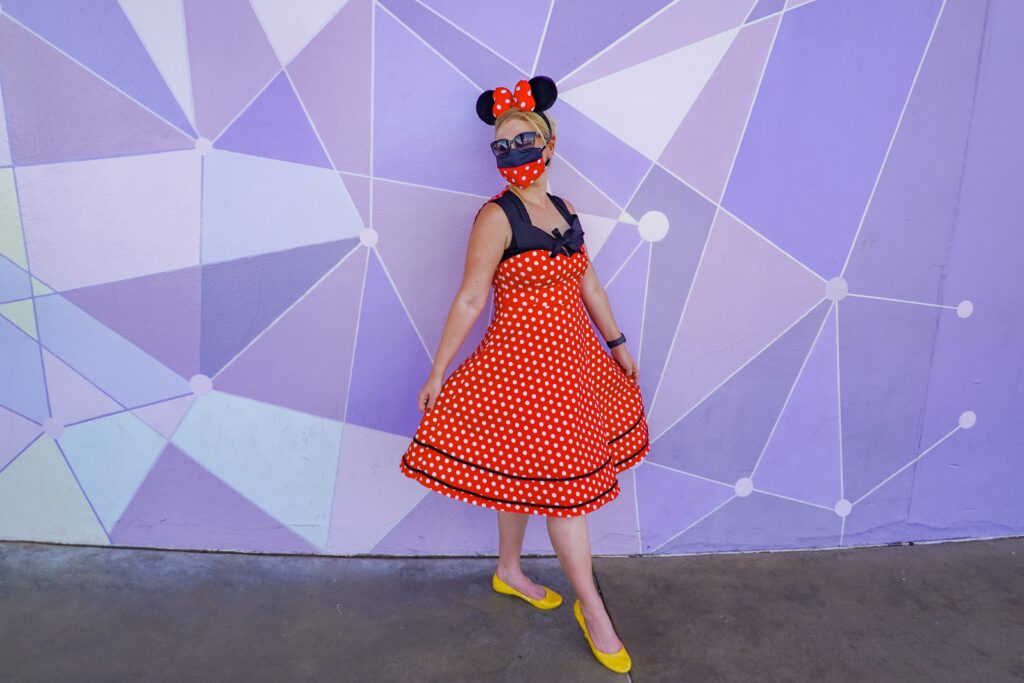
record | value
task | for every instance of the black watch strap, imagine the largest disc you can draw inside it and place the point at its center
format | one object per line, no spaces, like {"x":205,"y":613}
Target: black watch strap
{"x":621,"y":339}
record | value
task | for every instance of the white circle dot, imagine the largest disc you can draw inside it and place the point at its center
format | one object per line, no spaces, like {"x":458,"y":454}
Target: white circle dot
{"x":967,"y":419}
{"x":203,"y":145}
{"x":837,"y":288}
{"x":200,"y":384}
{"x":744,"y":486}
{"x":368,"y":237}
{"x":843,"y":507}
{"x":965,"y":308}
{"x":653,"y":226}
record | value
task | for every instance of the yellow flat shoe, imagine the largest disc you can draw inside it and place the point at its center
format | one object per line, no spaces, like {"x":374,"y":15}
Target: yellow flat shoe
{"x":619,"y":662}
{"x":550,"y":600}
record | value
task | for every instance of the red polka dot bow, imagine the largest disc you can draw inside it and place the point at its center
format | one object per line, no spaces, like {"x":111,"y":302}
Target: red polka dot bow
{"x":505,"y":99}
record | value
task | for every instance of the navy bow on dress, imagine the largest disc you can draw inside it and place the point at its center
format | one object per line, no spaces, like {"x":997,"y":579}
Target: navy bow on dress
{"x":568,"y":242}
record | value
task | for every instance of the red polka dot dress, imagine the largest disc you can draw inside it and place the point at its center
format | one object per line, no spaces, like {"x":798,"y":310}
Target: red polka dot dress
{"x":540,"y":418}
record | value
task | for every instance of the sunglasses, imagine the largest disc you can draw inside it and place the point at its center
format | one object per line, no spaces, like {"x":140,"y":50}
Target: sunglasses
{"x":524,"y":140}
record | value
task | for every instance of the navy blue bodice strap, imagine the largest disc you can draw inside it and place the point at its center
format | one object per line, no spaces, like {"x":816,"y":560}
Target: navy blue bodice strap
{"x":526,"y":236}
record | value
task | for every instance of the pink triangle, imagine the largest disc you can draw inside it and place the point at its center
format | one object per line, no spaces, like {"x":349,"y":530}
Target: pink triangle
{"x":230,"y":57}
{"x":358,"y":188}
{"x":58,"y":111}
{"x":165,"y":416}
{"x":801,"y":459}
{"x":411,"y":253}
{"x":16,"y":432}
{"x":303,"y":360}
{"x":182,"y":505}
{"x":332,"y":76}
{"x":703,"y":147}
{"x":72,"y":397}
{"x":159,"y":313}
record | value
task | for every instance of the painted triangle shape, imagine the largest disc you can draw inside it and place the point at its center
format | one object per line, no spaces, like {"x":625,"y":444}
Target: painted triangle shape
{"x":159,"y":313}
{"x":745,"y":294}
{"x":290,"y":27}
{"x":801,"y":459}
{"x":182,"y":505}
{"x":303,"y":360}
{"x":702,"y":149}
{"x":387,"y":339}
{"x":275,"y":126}
{"x":22,"y":314}
{"x":612,"y":101}
{"x":41,"y":501}
{"x":243,"y":296}
{"x":47,"y":126}
{"x":73,"y":398}
{"x":165,"y":416}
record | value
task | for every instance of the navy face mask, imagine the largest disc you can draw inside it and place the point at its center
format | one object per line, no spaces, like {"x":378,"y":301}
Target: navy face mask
{"x":522,"y":166}
{"x":519,"y":157}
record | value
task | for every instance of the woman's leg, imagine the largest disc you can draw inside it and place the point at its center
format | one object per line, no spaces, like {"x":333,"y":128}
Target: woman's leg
{"x":511,"y":530}
{"x":571,"y":541}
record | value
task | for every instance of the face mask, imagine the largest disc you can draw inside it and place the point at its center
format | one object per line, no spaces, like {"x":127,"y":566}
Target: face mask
{"x":522,"y":166}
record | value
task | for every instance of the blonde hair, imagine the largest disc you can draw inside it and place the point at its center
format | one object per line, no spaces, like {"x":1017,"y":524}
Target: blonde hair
{"x":534,"y":119}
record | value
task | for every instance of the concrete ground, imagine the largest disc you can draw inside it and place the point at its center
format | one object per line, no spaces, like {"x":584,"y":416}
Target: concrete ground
{"x":937,"y":612}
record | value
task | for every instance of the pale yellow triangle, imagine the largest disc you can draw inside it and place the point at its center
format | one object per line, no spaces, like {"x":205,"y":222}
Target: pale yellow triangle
{"x":39,"y":288}
{"x":21,"y":314}
{"x":12,"y":242}
{"x":41,"y":501}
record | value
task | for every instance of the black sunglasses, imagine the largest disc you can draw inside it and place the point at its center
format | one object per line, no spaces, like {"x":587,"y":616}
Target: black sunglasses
{"x":524,"y":140}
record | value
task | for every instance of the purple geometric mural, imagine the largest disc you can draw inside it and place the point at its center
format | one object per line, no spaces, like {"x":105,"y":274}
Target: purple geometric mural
{"x":231,"y":231}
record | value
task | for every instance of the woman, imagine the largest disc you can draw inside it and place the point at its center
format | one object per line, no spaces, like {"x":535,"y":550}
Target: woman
{"x":539,"y":419}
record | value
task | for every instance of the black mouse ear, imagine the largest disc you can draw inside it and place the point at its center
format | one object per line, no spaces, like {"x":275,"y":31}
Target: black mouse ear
{"x":544,"y":91}
{"x":485,"y":107}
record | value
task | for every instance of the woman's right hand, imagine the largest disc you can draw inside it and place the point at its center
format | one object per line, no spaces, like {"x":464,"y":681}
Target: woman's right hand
{"x":428,"y":394}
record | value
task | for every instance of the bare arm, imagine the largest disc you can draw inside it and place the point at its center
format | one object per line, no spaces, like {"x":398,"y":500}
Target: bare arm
{"x":483,"y":253}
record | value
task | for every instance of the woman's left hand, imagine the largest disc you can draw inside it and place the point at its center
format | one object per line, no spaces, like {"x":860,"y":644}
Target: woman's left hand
{"x":625,"y":360}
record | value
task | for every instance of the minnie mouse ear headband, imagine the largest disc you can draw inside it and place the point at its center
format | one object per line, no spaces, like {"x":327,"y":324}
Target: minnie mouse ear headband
{"x":536,"y":94}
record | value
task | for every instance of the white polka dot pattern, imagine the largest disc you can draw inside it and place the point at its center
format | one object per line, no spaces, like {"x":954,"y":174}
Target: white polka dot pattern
{"x":539,"y":419}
